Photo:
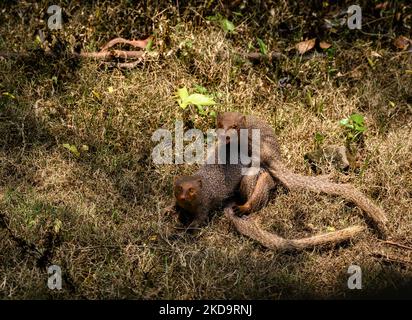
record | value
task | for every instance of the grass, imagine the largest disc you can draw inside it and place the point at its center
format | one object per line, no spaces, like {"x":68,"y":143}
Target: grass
{"x":114,"y":241}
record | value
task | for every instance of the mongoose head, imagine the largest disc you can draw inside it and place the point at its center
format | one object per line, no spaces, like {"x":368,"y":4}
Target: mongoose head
{"x":230,"y":123}
{"x":187,"y":191}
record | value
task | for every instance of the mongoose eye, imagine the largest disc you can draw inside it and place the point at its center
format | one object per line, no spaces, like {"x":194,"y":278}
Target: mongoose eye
{"x":192,"y":191}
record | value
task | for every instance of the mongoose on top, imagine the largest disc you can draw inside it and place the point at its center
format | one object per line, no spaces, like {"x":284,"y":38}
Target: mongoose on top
{"x":271,"y":160}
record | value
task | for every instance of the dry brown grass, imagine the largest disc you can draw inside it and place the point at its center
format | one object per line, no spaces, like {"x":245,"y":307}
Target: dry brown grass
{"x":114,"y":241}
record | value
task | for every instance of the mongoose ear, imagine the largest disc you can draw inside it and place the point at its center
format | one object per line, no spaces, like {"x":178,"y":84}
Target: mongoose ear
{"x":176,"y":180}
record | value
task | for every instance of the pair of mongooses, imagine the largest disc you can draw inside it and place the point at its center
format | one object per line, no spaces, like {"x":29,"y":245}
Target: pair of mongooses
{"x":202,"y":193}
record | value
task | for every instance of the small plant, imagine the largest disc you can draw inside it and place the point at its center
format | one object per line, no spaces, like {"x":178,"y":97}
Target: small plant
{"x":224,"y":23}
{"x":355,"y":126}
{"x":319,"y":138}
{"x":262,"y":46}
{"x":200,"y":100}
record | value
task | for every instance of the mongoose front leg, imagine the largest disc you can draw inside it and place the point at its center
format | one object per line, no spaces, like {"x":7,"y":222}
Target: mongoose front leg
{"x":199,"y":221}
{"x":256,"y":191}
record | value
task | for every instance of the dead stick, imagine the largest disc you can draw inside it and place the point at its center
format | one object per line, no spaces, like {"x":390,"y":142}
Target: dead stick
{"x":113,"y":54}
{"x":135,"y":43}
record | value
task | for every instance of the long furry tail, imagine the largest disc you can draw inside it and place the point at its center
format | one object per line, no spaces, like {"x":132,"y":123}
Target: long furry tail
{"x":249,"y":228}
{"x":295,"y":181}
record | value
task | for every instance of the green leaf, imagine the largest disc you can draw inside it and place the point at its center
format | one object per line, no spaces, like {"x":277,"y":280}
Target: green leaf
{"x":8,"y":95}
{"x":72,"y":149}
{"x":213,"y":18}
{"x":182,"y":93}
{"x":182,"y":104}
{"x":200,"y":99}
{"x":201,"y":110}
{"x":262,"y":46}
{"x":227,"y":25}
{"x":357,"y":118}
{"x":319,"y":137}
{"x":212,"y":114}
{"x":201,"y":89}
{"x":149,"y":45}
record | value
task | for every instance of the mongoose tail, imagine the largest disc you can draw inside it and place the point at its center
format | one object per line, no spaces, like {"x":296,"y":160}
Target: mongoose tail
{"x":295,"y":181}
{"x":249,"y":228}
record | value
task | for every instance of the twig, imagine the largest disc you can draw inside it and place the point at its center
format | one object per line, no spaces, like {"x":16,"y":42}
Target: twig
{"x":392,"y":243}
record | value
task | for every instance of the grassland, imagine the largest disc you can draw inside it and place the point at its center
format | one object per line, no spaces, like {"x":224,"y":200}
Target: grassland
{"x":99,"y":215}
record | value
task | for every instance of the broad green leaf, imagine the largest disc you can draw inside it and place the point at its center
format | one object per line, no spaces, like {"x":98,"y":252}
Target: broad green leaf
{"x":212,"y":114}
{"x":227,"y":25}
{"x":262,"y":46}
{"x":200,"y":99}
{"x":357,"y":118}
{"x":72,"y":149}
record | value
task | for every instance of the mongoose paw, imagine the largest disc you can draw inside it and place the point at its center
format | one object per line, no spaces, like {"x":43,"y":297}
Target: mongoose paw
{"x":241,"y":210}
{"x":170,"y":210}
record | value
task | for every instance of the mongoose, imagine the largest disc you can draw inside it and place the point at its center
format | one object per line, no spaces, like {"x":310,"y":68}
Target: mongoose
{"x":254,"y":201}
{"x":270,"y":158}
{"x":196,"y":196}
{"x":206,"y":191}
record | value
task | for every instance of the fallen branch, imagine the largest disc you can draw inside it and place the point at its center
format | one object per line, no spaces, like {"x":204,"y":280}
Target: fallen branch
{"x":104,"y":54}
{"x":135,"y":43}
{"x":249,"y":228}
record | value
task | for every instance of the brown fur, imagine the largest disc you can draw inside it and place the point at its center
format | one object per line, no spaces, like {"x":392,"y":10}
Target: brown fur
{"x":271,"y":161}
{"x":207,"y":190}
